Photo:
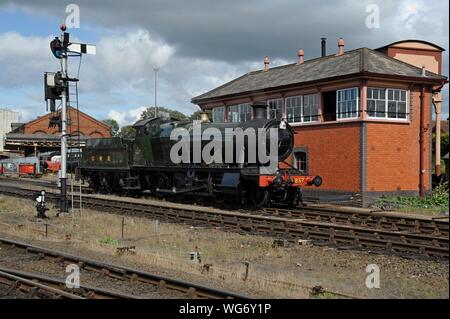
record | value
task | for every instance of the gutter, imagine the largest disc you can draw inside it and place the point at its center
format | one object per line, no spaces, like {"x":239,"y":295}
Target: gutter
{"x":312,"y":83}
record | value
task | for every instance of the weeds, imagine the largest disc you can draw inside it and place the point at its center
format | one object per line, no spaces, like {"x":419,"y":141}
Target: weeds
{"x":437,"y":200}
{"x":108,"y":241}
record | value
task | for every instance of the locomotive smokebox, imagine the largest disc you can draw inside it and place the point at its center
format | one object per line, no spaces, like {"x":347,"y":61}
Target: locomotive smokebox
{"x":259,"y":110}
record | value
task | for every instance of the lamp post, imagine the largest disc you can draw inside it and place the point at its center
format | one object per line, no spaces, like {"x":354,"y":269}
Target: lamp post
{"x":156,"y":91}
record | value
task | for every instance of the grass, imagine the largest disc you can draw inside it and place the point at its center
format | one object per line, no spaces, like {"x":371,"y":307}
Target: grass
{"x":167,"y":248}
{"x":434,"y":203}
{"x":108,"y":241}
{"x":280,"y":272}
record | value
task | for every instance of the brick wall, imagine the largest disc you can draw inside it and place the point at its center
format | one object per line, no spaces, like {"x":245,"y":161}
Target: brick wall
{"x":393,"y":152}
{"x":333,"y":153}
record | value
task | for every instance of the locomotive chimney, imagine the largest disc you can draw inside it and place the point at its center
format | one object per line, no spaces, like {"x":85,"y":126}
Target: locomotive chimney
{"x":324,"y":46}
{"x":259,"y":110}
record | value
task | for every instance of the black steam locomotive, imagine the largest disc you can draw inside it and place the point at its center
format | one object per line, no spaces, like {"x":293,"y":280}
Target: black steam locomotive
{"x":145,"y":162}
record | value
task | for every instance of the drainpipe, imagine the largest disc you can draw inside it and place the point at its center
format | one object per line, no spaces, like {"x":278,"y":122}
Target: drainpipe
{"x":437,"y":108}
{"x":437,"y":101}
{"x":422,"y":144}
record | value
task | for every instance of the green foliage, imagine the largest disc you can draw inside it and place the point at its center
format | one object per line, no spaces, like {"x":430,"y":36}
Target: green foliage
{"x":175,"y":115}
{"x":437,"y":199}
{"x":108,"y":241}
{"x":127,"y":132}
{"x":444,"y":143}
{"x":114,"y":126}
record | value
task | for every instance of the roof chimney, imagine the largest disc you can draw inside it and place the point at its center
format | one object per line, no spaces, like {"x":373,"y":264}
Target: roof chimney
{"x":324,"y":46}
{"x":341,"y":45}
{"x":300,"y":56}
{"x":266,"y":64}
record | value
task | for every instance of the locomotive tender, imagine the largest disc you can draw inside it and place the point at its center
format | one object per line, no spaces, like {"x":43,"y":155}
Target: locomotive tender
{"x":143,"y":163}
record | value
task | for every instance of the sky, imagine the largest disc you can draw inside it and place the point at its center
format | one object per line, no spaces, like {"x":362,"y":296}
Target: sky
{"x":197,"y":45}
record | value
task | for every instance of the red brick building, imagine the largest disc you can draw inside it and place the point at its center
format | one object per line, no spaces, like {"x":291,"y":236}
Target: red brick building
{"x":362,"y":118}
{"x":37,"y":136}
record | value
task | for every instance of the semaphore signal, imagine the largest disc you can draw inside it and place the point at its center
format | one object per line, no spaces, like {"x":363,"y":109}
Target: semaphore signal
{"x":56,"y":88}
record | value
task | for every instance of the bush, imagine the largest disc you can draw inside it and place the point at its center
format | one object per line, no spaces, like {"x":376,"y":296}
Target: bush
{"x":437,"y":199}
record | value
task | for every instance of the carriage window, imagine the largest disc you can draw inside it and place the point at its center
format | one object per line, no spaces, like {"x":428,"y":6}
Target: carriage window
{"x":274,"y":109}
{"x":300,"y":161}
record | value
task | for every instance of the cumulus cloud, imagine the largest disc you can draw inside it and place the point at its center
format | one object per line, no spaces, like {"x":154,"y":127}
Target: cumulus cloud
{"x":200,"y":44}
{"x":23,"y":59}
{"x":126,"y":117}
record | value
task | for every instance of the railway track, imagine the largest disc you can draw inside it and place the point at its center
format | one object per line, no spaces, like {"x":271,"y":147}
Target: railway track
{"x":37,"y":286}
{"x":54,"y":287}
{"x":366,"y":219}
{"x":336,"y":215}
{"x":291,"y":229}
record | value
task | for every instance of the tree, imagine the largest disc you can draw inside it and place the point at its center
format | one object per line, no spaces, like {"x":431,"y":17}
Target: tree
{"x":196,"y":115}
{"x":174,"y":115}
{"x":127,"y":132}
{"x":113,"y":126}
{"x":444,"y":143}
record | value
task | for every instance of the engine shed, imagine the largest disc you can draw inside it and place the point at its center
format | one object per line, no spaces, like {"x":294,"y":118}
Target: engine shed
{"x":39,"y":136}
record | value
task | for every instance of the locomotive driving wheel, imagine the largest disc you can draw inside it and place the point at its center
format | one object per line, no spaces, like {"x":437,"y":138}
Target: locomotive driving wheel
{"x":106,"y":185}
{"x":163,"y":183}
{"x":260,"y":197}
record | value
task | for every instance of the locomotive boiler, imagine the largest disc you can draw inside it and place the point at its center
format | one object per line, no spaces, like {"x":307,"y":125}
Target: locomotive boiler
{"x":200,"y":159}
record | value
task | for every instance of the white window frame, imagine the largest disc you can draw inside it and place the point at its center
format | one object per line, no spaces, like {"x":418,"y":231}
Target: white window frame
{"x":245,"y":112}
{"x":241,"y":111}
{"x":302,"y":108}
{"x":280,"y":109}
{"x":233,"y":111}
{"x":386,"y":104}
{"x":339,"y":114}
{"x":218,"y":109}
{"x":300,"y":118}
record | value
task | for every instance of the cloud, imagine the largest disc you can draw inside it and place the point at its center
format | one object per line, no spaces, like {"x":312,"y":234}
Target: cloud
{"x":201,"y":44}
{"x":32,"y":54}
{"x":126,"y":117}
{"x":237,"y":30}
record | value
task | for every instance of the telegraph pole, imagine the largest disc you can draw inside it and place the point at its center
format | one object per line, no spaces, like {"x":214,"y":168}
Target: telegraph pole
{"x":156,"y":91}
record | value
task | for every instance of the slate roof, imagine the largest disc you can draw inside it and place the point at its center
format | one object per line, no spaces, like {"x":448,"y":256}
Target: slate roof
{"x":332,"y":66}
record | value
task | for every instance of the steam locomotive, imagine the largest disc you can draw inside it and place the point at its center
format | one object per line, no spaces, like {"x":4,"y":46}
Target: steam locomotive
{"x":145,"y":162}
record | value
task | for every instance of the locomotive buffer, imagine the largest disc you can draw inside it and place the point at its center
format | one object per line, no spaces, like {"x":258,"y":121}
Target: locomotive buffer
{"x":56,"y":88}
